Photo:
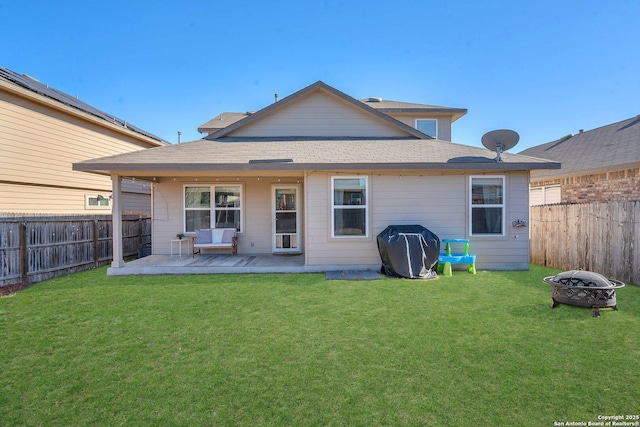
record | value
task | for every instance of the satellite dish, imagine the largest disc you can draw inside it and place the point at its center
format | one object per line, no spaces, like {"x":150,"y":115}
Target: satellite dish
{"x":500,"y":140}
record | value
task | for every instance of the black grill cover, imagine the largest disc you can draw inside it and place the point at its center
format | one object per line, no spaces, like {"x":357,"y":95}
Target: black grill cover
{"x":409,"y":251}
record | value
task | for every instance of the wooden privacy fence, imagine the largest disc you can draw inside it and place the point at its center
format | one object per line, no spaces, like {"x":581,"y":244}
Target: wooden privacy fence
{"x":598,"y":237}
{"x":33,"y":249}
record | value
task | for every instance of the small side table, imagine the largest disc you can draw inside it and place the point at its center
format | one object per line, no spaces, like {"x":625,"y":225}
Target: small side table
{"x":179,"y":242}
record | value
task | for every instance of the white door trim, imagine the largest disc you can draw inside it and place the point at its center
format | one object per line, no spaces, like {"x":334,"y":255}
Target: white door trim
{"x":286,"y":242}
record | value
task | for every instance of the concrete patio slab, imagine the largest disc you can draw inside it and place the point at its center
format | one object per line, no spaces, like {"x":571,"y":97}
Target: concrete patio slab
{"x":228,"y":264}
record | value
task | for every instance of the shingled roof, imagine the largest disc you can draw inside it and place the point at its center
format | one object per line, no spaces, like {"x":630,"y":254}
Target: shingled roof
{"x":222,"y":151}
{"x":388,"y":106}
{"x":312,"y":154}
{"x":611,"y":147}
{"x":221,"y":121}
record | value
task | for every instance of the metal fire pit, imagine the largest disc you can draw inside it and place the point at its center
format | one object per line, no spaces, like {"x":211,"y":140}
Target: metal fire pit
{"x":583,"y":289}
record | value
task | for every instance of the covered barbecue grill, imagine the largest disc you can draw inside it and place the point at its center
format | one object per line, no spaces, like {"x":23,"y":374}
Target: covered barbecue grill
{"x":409,"y":251}
{"x":583,"y":289}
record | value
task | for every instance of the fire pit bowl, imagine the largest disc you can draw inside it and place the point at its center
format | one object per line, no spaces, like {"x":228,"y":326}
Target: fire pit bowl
{"x":583,"y":289}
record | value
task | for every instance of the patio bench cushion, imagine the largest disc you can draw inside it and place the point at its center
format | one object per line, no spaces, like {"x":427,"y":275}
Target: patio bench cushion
{"x":216,"y":238}
{"x":203,"y":236}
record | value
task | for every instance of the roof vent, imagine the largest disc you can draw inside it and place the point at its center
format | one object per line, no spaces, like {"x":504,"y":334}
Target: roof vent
{"x":270,"y":161}
{"x":250,"y":113}
{"x":580,"y":130}
{"x":374,"y":100}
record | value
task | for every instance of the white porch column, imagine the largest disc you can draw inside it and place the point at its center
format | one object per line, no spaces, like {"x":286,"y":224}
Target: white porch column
{"x":116,"y":211}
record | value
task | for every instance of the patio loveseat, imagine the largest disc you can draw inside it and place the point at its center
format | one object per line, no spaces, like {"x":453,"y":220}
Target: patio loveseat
{"x":216,"y":238}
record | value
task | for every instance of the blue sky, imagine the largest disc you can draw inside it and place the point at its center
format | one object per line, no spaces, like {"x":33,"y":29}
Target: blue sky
{"x":543,"y":68}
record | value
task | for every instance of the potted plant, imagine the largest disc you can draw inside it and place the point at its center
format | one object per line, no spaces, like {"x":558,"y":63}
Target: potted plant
{"x":180,"y":235}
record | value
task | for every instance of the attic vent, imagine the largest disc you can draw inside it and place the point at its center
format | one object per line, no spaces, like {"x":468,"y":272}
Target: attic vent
{"x":374,"y":100}
{"x":271,"y":161}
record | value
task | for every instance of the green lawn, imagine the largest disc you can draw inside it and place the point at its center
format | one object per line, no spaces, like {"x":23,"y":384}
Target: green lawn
{"x":292,"y":350}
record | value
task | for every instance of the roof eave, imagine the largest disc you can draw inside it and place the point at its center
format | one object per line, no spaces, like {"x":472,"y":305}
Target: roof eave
{"x":119,"y":168}
{"x":455,"y":113}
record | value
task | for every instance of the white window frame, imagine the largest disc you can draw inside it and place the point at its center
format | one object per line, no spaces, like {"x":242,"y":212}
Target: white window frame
{"x":502,"y":205}
{"x":212,"y":206}
{"x":97,"y":198}
{"x":430,"y":120}
{"x":364,"y":206}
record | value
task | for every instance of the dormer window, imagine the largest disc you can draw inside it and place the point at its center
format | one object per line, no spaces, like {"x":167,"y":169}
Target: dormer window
{"x":428,"y":126}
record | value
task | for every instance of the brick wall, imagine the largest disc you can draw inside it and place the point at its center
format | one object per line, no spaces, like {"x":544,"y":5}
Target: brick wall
{"x":623,"y":185}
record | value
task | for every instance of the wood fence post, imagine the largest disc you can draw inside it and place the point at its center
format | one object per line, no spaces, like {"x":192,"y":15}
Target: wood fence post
{"x":140,"y":240}
{"x":24,"y":268}
{"x":96,"y":253}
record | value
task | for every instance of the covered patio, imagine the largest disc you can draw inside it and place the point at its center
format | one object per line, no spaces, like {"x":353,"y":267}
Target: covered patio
{"x":223,"y":264}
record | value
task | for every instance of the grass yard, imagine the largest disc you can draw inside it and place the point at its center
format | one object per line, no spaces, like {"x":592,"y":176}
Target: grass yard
{"x":298,"y":350}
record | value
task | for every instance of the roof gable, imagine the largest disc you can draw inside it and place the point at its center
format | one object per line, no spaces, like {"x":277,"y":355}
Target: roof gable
{"x":318,"y":110}
{"x":221,"y":121}
{"x":261,"y":142}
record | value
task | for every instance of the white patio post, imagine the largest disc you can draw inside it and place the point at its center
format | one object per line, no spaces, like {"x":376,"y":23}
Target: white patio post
{"x":116,"y":183}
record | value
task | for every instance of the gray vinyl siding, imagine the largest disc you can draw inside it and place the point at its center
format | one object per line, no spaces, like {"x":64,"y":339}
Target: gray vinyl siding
{"x":435,"y":201}
{"x":320,"y":115}
{"x":444,"y":123}
{"x":256,"y":236}
{"x":136,"y":202}
{"x":321,"y":249}
{"x":510,"y":252}
{"x":438,"y":202}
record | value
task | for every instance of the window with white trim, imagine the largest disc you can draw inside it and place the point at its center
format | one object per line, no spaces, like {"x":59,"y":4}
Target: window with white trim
{"x":428,"y":126}
{"x":349,"y":206}
{"x":212,"y":206}
{"x":487,"y":205}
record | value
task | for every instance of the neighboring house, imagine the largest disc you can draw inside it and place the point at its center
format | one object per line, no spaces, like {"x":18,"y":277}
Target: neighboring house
{"x":599,"y":165}
{"x":322,"y":173}
{"x":42,"y":132}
